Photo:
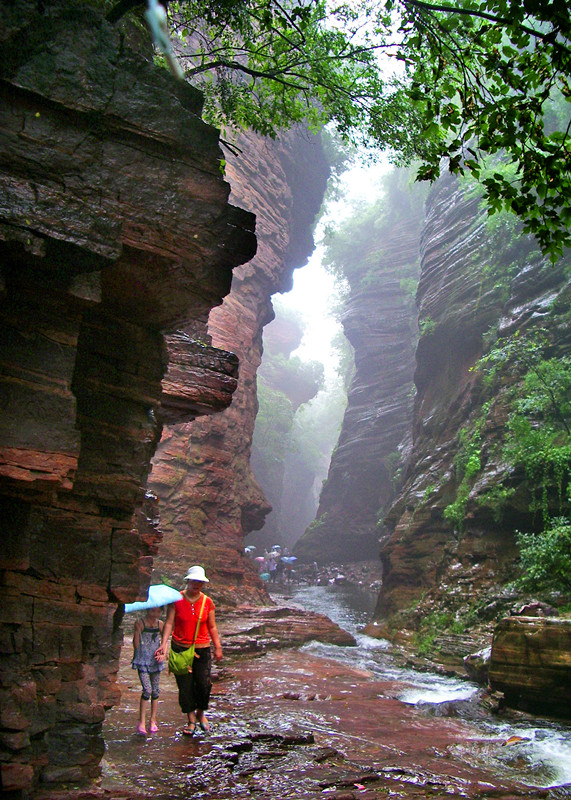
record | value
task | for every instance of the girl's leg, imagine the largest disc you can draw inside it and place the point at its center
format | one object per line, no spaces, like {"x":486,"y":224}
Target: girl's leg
{"x":145,"y":679}
{"x":155,"y":677}
{"x":153,"y":721}
{"x":141,"y":728}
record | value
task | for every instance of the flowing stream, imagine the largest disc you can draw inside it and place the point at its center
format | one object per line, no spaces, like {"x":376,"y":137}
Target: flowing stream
{"x":538,"y":751}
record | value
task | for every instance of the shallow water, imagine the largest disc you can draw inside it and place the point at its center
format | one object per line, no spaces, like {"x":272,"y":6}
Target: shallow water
{"x":414,"y":731}
{"x":539,"y":749}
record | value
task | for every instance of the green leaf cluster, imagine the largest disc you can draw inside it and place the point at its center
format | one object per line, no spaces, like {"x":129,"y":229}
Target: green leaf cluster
{"x":538,"y":442}
{"x":446,"y":83}
{"x":546,"y":558}
{"x":297,"y":379}
{"x":468,"y":463}
{"x":538,"y":437}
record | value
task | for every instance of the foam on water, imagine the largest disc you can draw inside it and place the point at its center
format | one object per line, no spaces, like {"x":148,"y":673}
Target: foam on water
{"x":435,"y":692}
{"x":542,"y":751}
{"x":541,"y":759}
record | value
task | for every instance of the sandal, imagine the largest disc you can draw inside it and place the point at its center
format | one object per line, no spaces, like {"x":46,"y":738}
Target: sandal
{"x":204,"y":724}
{"x":189,"y":729}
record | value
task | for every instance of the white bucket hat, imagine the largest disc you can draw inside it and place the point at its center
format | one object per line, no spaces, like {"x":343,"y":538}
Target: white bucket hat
{"x":196,"y":574}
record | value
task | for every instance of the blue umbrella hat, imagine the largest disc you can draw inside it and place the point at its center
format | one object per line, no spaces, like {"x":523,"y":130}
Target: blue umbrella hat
{"x":159,"y":595}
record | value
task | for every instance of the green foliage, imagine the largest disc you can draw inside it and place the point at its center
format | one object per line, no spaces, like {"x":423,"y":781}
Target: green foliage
{"x":476,"y":79}
{"x":316,"y":428}
{"x":343,"y":350}
{"x":432,"y":625}
{"x":299,"y":380}
{"x":505,"y":250}
{"x":354,"y":248}
{"x":273,"y":421}
{"x":538,"y":438}
{"x":455,"y":512}
{"x":408,"y":287}
{"x":546,"y":557}
{"x":430,"y":489}
{"x":426,"y":326}
{"x":298,"y":418}
{"x":468,"y":462}
{"x":495,"y":499}
{"x":391,"y":463}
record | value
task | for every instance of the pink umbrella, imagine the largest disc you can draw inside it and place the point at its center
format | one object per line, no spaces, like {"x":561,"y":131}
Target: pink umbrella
{"x":259,"y":558}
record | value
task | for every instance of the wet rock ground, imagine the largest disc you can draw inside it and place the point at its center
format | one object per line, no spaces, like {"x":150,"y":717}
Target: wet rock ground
{"x":286,"y":724}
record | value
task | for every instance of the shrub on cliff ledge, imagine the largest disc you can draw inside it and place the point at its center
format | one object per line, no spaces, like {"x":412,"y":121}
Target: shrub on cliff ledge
{"x":546,"y":558}
{"x":538,"y":438}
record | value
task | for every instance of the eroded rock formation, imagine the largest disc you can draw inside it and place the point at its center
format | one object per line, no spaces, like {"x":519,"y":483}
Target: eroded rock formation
{"x":115,"y":227}
{"x":476,"y":281}
{"x":380,"y":322}
{"x":209,"y":498}
{"x":450,"y":547}
{"x":531,"y":663}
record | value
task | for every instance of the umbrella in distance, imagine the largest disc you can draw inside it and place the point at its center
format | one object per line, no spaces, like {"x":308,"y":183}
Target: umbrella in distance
{"x":159,"y":595}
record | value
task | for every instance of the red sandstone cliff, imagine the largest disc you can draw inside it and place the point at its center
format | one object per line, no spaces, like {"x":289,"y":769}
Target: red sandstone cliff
{"x":474,"y":284}
{"x":115,"y":227}
{"x":478,"y":282}
{"x":208,"y":497}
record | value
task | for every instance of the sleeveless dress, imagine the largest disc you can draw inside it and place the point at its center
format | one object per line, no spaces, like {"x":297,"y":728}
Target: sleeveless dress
{"x":144,"y":657}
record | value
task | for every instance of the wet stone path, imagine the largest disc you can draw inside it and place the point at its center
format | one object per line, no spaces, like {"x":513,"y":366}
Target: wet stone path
{"x":291,"y":725}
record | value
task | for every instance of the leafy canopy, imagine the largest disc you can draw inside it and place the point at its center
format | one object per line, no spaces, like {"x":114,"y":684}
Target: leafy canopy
{"x":464,"y":84}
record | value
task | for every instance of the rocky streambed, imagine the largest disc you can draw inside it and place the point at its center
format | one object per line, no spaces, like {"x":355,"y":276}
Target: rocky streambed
{"x":290,"y":723}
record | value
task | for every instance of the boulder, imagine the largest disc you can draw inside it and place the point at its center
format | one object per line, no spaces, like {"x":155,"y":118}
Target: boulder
{"x":477,"y":665}
{"x":531,"y":664}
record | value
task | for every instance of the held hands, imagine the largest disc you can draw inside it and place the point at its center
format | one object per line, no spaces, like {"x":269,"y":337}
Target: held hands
{"x":160,"y":654}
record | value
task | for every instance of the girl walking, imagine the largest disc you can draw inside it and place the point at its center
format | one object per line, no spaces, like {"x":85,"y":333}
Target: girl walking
{"x":146,"y":639}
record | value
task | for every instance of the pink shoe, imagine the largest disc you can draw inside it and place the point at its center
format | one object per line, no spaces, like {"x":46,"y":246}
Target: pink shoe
{"x":141,"y":730}
{"x":153,"y":727}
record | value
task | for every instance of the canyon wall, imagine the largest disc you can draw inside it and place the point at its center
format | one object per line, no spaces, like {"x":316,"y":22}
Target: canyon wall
{"x":379,"y":319}
{"x":481,"y":283}
{"x":431,"y":476}
{"x":115,"y":230}
{"x":209,"y":498}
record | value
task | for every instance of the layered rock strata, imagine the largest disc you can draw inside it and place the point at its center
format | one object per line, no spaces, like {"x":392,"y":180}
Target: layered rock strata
{"x":379,"y":321}
{"x":256,"y":630}
{"x":531,"y":663}
{"x":477,"y":283}
{"x":115,"y":227}
{"x":209,"y":497}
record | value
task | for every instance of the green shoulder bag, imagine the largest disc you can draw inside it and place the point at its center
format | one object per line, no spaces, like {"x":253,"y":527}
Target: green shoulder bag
{"x":181,"y":663}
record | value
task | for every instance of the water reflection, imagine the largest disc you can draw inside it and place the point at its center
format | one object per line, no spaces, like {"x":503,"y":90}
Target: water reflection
{"x":534,"y":750}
